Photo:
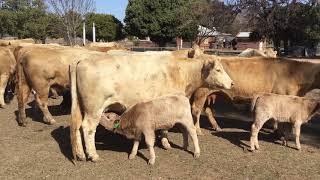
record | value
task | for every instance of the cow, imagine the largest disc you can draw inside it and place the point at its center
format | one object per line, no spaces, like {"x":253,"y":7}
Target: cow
{"x":105,"y":47}
{"x":16,"y":42}
{"x":267,"y":53}
{"x":283,"y":109}
{"x":41,"y":67}
{"x":256,"y":74}
{"x":117,"y":82}
{"x":144,"y":118}
{"x":7,"y":70}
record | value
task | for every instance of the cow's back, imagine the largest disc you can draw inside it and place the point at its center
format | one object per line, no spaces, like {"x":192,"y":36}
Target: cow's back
{"x":131,"y":78}
{"x":254,"y":75}
{"x":7,"y":61}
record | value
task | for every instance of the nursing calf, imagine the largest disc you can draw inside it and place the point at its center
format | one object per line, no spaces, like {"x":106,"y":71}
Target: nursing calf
{"x":282,"y":109}
{"x":146,"y":117}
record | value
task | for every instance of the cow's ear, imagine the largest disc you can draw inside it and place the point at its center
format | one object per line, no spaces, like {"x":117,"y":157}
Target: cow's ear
{"x":195,"y":52}
{"x":209,"y":63}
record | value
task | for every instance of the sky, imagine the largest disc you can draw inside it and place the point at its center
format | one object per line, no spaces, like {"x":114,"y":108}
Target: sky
{"x":114,"y":7}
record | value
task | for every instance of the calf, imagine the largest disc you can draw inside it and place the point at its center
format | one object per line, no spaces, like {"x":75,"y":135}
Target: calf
{"x":146,"y":117}
{"x":282,"y":109}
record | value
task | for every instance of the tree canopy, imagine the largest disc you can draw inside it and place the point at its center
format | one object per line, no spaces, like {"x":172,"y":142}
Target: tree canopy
{"x":290,"y":22}
{"x":24,"y":18}
{"x":158,"y":19}
{"x":108,"y":28}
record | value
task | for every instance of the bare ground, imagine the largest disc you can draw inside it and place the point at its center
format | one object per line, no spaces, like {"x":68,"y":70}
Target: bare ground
{"x":42,"y":151}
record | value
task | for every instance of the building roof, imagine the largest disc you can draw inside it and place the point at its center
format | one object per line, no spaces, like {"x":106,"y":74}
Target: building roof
{"x":206,"y":31}
{"x":243,"y":35}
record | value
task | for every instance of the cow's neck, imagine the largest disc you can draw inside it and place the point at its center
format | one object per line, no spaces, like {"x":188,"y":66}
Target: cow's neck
{"x":192,"y":74}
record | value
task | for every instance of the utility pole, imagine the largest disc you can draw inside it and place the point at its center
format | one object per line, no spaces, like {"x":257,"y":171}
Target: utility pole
{"x":84,"y":31}
{"x":93,"y":33}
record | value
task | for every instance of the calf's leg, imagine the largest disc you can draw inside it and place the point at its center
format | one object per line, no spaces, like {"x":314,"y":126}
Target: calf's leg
{"x":191,"y":129}
{"x":297,"y":127}
{"x":150,"y":138}
{"x":212,"y":120}
{"x":134,"y":150}
{"x":255,"y":128}
{"x":164,"y":139}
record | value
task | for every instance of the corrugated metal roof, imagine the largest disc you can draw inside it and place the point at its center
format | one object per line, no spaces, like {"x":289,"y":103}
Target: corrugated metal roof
{"x":243,"y":35}
{"x":206,"y":31}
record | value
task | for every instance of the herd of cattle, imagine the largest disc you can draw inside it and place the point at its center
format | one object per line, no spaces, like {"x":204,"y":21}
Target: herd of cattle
{"x":136,"y":93}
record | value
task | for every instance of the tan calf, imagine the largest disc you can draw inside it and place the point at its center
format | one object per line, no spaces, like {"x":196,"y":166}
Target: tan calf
{"x":282,"y":109}
{"x":146,"y":117}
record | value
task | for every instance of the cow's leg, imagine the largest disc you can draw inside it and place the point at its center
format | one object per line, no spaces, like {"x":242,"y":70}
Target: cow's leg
{"x":150,"y":138}
{"x":23,"y":96}
{"x":42,"y":100}
{"x":89,"y":126}
{"x":297,"y":127}
{"x":134,"y":150}
{"x":164,"y":139}
{"x":54,"y":94}
{"x":212,"y":120}
{"x":3,"y":83}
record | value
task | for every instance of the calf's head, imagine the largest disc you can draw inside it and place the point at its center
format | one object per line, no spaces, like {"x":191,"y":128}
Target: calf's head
{"x":214,"y":75}
{"x":110,"y":120}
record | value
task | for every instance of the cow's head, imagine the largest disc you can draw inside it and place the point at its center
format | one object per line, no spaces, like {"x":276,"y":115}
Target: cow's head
{"x":214,"y":75}
{"x":110,"y":121}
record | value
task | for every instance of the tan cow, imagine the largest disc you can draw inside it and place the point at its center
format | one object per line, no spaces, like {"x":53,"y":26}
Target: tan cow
{"x":42,"y":67}
{"x":254,"y":75}
{"x":267,"y":53}
{"x":7,"y":70}
{"x":112,"y":82}
{"x":16,"y":42}
{"x":284,"y":109}
{"x":146,"y":117}
{"x":105,"y":47}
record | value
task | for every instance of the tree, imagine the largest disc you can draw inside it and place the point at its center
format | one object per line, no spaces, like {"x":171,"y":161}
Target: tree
{"x":71,"y":14}
{"x":24,"y":18}
{"x":157,"y":19}
{"x":7,"y":22}
{"x":108,"y":28}
{"x":209,"y":16}
{"x":283,"y":21}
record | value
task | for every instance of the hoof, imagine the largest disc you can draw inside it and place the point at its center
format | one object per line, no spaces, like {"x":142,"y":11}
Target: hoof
{"x":50,"y":122}
{"x":23,"y":124}
{"x":165,"y":143}
{"x":151,"y":162}
{"x":200,"y":133}
{"x":217,"y":129}
{"x":95,"y":158}
{"x":196,"y":155}
{"x":132,"y":156}
{"x":81,"y":157}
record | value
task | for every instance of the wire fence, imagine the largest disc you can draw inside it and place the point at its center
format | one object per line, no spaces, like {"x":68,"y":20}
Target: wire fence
{"x":221,"y":52}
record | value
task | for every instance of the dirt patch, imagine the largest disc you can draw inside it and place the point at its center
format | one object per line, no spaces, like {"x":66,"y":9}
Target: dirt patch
{"x":42,"y":151}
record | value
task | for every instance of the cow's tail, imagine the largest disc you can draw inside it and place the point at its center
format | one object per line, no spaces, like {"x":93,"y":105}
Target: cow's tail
{"x":76,"y":116}
{"x":21,"y":86}
{"x":253,"y":102}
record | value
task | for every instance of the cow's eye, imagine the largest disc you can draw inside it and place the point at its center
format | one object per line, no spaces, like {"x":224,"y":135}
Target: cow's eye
{"x":218,"y":70}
